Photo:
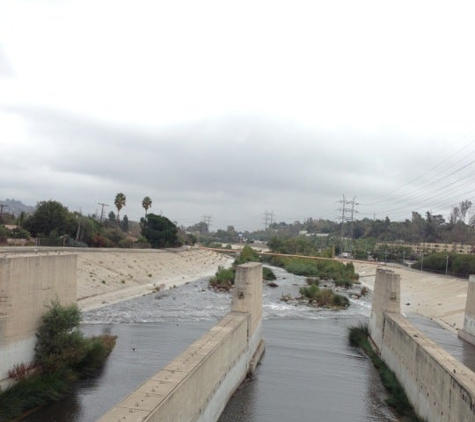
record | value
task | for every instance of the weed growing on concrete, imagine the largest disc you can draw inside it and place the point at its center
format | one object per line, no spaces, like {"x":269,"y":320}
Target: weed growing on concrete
{"x":359,"y":337}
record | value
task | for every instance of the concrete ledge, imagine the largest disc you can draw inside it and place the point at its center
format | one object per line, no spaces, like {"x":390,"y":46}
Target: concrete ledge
{"x":182,"y":390}
{"x":256,"y":358}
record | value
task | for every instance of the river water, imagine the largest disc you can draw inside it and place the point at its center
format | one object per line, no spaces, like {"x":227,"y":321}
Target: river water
{"x":309,"y":371}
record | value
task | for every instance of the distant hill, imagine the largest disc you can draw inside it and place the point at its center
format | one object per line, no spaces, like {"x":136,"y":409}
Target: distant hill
{"x":16,"y":207}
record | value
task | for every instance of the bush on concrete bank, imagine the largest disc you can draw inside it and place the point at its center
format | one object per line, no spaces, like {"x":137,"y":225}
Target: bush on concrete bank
{"x":358,"y":336}
{"x":62,"y":356}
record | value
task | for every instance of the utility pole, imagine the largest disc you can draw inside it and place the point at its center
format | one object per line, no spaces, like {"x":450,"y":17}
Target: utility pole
{"x":102,"y":215}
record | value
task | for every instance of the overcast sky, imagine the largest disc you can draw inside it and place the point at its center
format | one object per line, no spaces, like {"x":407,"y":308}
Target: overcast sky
{"x":232,"y":109}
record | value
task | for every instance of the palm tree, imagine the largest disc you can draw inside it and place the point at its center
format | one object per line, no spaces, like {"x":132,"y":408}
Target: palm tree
{"x":119,"y":203}
{"x":146,"y":203}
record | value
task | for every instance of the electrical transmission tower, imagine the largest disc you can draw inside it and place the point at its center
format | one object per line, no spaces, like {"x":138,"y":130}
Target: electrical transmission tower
{"x":352,"y":210}
{"x":343,"y":210}
{"x":268,"y":219}
{"x":347,"y":207}
{"x":207,"y":220}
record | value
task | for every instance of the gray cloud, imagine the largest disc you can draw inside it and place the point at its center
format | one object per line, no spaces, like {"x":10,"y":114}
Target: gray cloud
{"x":234,"y":167}
{"x":6,"y":68}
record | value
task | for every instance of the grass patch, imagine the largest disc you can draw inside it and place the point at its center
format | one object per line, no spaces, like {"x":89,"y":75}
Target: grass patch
{"x":359,"y":337}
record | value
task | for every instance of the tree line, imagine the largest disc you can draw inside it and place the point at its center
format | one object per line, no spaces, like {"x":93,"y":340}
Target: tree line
{"x":54,"y":225}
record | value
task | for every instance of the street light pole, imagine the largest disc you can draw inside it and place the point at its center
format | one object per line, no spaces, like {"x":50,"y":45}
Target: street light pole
{"x":447,"y":265}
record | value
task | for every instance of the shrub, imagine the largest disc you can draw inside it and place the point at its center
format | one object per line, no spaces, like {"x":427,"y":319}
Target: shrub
{"x":223,"y":279}
{"x":247,"y":255}
{"x":22,"y":370}
{"x":268,"y":274}
{"x":323,"y":297}
{"x":340,"y":301}
{"x":62,"y":356}
{"x":310,"y":292}
{"x":312,"y":280}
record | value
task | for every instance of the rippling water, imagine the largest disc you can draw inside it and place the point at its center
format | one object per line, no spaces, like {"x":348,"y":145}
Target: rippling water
{"x":308,"y":372}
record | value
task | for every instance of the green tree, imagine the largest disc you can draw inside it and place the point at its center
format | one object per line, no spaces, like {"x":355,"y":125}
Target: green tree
{"x":3,"y":234}
{"x":124,"y":224}
{"x":51,"y":216}
{"x":146,"y":203}
{"x":111,"y":216}
{"x":120,"y":202}
{"x":159,"y":231}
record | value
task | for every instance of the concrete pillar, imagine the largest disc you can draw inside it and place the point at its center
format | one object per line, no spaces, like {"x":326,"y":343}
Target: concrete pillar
{"x":247,"y":293}
{"x":468,"y":330}
{"x":386,"y":298}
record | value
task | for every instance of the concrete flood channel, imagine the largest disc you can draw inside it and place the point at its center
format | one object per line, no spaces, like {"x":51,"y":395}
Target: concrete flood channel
{"x":309,"y":371}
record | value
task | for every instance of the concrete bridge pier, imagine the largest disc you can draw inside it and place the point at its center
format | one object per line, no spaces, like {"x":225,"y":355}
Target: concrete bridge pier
{"x":468,"y":331}
{"x":386,"y":299}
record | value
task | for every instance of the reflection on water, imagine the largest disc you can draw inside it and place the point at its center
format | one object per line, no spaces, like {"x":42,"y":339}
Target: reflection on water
{"x":309,"y":372}
{"x":450,"y":342}
{"x":141,"y":350}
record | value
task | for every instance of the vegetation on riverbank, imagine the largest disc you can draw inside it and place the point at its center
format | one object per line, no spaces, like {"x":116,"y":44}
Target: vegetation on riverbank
{"x":359,"y":337}
{"x":62,"y":357}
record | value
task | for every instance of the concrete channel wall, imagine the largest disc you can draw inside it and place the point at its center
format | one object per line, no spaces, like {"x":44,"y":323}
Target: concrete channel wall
{"x":197,"y":385}
{"x":439,"y":387}
{"x":28,"y":284}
